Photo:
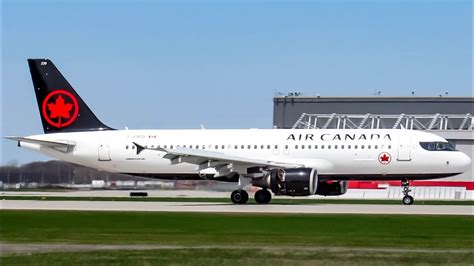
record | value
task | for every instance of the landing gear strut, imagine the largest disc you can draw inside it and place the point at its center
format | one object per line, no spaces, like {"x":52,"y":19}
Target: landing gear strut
{"x":239,"y":196}
{"x":263,"y":196}
{"x":407,"y":199}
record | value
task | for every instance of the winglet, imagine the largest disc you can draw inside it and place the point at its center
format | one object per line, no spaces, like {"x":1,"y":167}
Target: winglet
{"x":140,"y":148}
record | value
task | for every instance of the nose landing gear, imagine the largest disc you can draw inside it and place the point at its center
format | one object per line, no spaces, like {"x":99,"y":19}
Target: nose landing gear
{"x":407,"y":199}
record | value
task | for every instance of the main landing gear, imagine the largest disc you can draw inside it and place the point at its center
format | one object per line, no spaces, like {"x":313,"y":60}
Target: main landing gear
{"x":241,"y":196}
{"x":407,"y":199}
{"x":263,"y":196}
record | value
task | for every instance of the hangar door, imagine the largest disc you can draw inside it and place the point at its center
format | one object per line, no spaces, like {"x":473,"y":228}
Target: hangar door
{"x":404,"y":148}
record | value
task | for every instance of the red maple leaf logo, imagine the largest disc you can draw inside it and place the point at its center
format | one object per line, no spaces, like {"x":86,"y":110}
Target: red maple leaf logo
{"x":384,"y":158}
{"x":57,"y":110}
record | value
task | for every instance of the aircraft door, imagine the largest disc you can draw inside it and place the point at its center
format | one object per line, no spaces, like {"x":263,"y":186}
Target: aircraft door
{"x":286,"y":149}
{"x":104,"y":149}
{"x":275,"y":150}
{"x":404,"y":148}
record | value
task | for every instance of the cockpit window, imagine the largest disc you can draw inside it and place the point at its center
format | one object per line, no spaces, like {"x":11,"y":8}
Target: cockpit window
{"x":438,"y":146}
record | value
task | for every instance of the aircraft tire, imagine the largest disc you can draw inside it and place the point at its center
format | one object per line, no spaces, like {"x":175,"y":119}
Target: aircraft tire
{"x":239,"y":196}
{"x":263,"y":196}
{"x":408,"y":200}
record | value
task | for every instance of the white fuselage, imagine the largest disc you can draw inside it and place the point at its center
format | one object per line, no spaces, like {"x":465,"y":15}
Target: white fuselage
{"x":332,"y":152}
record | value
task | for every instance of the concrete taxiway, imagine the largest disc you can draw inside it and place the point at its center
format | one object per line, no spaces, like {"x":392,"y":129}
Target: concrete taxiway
{"x":232,"y":208}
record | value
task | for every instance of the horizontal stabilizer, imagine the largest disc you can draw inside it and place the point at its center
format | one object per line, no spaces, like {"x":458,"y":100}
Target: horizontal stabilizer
{"x":63,"y":146}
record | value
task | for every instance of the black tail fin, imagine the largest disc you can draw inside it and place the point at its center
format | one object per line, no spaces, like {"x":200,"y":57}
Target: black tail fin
{"x":61,"y":108}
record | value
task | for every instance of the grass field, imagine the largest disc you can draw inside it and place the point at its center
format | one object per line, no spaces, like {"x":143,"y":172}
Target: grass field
{"x":239,"y":257}
{"x":231,"y":239}
{"x":251,"y":200}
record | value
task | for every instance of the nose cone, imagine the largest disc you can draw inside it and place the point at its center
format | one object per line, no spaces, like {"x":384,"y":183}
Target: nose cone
{"x":464,"y":162}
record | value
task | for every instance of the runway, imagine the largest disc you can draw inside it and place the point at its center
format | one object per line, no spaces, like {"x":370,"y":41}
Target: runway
{"x":232,"y":208}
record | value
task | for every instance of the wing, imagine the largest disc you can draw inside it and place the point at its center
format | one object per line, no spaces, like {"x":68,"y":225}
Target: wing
{"x":63,"y":146}
{"x":223,"y":163}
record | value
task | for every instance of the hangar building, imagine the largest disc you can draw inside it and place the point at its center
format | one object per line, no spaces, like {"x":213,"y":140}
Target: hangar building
{"x":448,"y":117}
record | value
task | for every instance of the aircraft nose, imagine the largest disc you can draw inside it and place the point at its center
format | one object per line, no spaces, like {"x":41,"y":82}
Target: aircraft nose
{"x":464,"y":161}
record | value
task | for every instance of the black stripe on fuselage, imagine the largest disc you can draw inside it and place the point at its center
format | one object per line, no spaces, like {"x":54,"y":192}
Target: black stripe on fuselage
{"x":235,"y":178}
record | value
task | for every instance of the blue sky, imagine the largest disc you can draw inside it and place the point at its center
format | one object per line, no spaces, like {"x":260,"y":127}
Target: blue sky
{"x":154,"y":64}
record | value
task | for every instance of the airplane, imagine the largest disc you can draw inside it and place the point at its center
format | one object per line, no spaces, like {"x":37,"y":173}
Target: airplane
{"x":290,"y":162}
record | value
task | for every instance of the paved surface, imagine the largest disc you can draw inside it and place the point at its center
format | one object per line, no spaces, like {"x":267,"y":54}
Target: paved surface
{"x":120,"y":193}
{"x":8,"y":248}
{"x":231,"y":208}
{"x":351,"y":194}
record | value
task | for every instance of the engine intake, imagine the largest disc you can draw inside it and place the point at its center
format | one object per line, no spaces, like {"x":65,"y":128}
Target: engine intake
{"x":290,"y":182}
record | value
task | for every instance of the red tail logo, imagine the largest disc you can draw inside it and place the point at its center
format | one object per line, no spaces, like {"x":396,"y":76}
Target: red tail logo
{"x":60,"y":108}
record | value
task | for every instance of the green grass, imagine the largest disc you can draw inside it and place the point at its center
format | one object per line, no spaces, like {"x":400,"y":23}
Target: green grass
{"x":240,"y":239}
{"x":277,"y":201}
{"x":402,"y":231}
{"x":238,"y":257}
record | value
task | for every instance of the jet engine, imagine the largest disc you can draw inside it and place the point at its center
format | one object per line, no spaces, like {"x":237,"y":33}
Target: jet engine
{"x":290,"y":182}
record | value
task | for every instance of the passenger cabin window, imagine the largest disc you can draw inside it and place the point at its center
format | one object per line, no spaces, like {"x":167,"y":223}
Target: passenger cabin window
{"x":438,"y":146}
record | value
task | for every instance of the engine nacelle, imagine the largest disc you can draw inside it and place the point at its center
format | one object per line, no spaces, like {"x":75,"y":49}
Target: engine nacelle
{"x":290,"y":182}
{"x":333,"y":188}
